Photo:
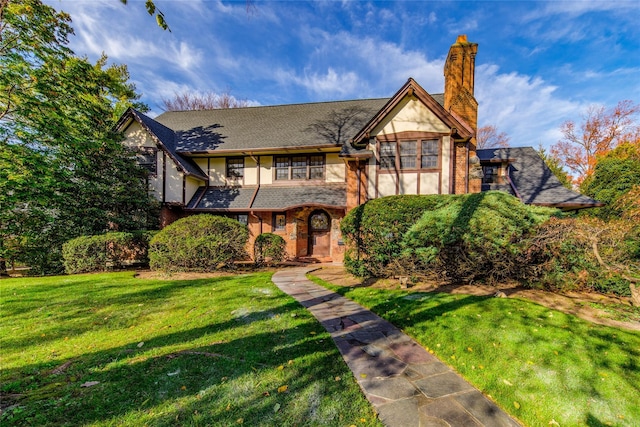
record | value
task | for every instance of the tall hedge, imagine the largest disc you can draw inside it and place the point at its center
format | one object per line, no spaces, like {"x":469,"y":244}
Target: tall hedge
{"x":198,"y":243}
{"x":105,"y":251}
{"x":374,"y":231}
{"x":461,"y":237}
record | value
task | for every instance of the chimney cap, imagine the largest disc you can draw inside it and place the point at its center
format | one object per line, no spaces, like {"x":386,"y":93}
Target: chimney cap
{"x":462,"y":38}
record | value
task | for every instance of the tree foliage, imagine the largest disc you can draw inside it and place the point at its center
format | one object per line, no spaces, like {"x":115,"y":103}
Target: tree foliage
{"x":189,"y":101}
{"x":198,"y":243}
{"x":154,"y":11}
{"x":554,"y":165}
{"x":601,"y":131}
{"x":616,"y":178}
{"x":63,"y":171}
{"x":489,"y":137}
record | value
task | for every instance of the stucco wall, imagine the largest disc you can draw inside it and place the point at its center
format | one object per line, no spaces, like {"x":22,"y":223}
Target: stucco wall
{"x":335,"y":168}
{"x":410,"y":115}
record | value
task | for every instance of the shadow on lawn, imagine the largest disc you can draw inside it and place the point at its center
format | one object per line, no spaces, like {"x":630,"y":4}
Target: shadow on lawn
{"x":145,"y":381}
{"x":558,"y":342}
{"x":91,"y":310}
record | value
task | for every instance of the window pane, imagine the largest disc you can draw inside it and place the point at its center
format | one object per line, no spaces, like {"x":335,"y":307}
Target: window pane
{"x":299,"y":167}
{"x":317,"y":167}
{"x":235,"y":168}
{"x":408,"y":154}
{"x":146,"y":158}
{"x":243,"y":219}
{"x":282,"y":168}
{"x":430,"y":154}
{"x":319,"y":221}
{"x":279,"y":222}
{"x":387,"y":156}
{"x":316,"y":172}
{"x":316,"y":160}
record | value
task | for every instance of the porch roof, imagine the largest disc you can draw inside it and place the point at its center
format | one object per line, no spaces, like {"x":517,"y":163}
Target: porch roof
{"x":267,"y":198}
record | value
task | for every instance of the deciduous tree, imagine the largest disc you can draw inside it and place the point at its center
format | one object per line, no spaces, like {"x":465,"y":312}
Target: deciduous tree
{"x":489,"y":137}
{"x":188,"y":101}
{"x":601,"y":130}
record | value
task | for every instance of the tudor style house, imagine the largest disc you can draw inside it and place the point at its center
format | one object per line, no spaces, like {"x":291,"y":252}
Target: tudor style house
{"x":296,"y":170}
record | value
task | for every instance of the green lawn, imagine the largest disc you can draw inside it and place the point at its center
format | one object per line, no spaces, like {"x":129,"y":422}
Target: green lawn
{"x":110,"y":349}
{"x":544,"y":367}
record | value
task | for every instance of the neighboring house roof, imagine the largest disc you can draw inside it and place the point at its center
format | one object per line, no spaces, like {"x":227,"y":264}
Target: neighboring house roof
{"x":165,"y":138}
{"x":268,"y":128}
{"x":532,"y":180}
{"x":271,"y":198}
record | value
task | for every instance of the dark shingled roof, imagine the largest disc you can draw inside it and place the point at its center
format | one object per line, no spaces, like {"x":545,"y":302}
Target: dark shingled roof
{"x":268,"y":198}
{"x":232,"y":198}
{"x":274,"y":198}
{"x":534,"y":182}
{"x":281,"y":126}
{"x":168,"y":138}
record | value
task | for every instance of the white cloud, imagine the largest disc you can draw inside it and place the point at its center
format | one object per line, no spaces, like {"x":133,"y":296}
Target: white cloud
{"x":524,"y":107}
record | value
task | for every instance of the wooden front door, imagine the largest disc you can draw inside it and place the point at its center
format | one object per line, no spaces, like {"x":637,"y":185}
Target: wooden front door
{"x":319,"y":234}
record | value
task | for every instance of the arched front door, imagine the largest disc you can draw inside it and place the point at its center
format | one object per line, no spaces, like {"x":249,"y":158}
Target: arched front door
{"x":319,"y":233}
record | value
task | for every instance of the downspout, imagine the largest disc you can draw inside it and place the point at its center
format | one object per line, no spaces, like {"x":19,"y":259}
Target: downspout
{"x":359,"y":177}
{"x":466,"y":178}
{"x":255,"y":193}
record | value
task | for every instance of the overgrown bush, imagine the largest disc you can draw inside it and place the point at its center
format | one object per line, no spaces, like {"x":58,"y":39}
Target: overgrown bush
{"x":105,"y":251}
{"x":269,"y":248}
{"x":374,"y":231}
{"x":198,"y":243}
{"x":585,"y":253}
{"x":460,"y":237}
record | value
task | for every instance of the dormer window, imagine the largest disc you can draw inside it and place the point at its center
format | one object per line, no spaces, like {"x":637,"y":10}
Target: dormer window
{"x":490,"y":174}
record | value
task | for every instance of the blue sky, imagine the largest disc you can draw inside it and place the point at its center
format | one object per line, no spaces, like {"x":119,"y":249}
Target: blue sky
{"x":538,"y":63}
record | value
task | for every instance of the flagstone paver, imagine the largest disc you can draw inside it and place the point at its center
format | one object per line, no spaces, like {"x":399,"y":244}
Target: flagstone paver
{"x":406,"y":384}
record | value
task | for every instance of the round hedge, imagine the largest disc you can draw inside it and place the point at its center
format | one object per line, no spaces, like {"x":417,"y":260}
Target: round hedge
{"x":269,"y":248}
{"x":198,"y":243}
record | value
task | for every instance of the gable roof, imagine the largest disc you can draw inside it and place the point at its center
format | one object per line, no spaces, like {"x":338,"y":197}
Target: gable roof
{"x":532,"y":180}
{"x":412,"y":88}
{"x":164,"y":137}
{"x":269,"y":128}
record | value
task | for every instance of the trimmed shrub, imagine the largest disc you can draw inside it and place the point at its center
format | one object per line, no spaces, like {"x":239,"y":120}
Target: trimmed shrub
{"x":269,"y":248}
{"x":584,"y":253}
{"x":198,"y":243}
{"x":460,"y":237}
{"x":373,"y":232}
{"x":105,"y":251}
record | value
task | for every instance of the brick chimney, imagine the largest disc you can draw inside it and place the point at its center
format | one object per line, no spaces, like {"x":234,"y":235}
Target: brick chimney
{"x":459,"y":76}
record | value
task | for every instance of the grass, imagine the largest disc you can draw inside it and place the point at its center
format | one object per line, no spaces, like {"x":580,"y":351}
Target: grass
{"x":544,"y":367}
{"x":621,"y":312}
{"x":110,"y":349}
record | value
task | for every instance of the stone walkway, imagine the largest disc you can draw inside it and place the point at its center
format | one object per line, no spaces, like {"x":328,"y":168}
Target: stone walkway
{"x":406,"y":384}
